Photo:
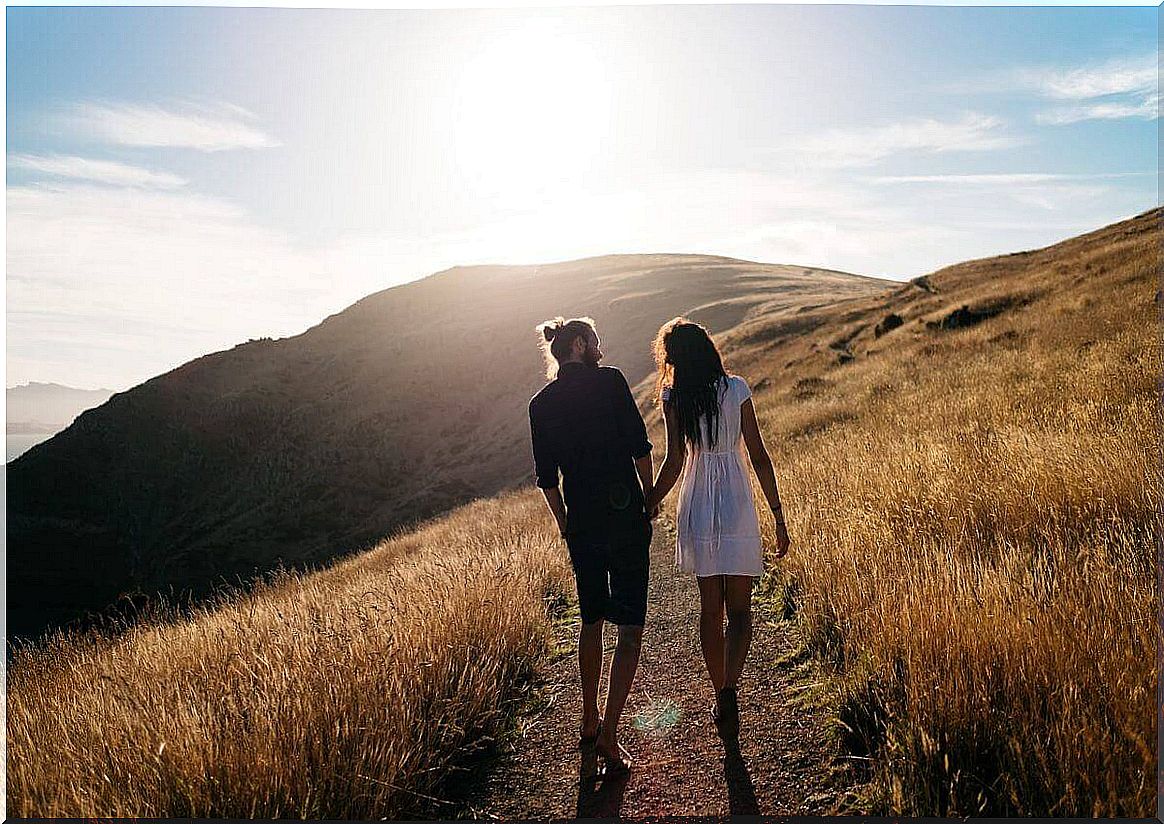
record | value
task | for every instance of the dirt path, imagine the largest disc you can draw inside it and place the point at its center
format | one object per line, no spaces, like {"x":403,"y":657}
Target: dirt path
{"x":782,"y":764}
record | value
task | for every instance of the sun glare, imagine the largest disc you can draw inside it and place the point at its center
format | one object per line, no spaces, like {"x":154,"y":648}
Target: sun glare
{"x":533,"y":108}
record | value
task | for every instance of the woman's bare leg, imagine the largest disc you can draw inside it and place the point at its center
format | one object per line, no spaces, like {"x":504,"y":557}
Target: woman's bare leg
{"x":711,"y":638}
{"x":737,"y":591}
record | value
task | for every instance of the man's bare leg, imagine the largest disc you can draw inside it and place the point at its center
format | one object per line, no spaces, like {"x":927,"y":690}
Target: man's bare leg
{"x":590,"y":666}
{"x":622,"y":675}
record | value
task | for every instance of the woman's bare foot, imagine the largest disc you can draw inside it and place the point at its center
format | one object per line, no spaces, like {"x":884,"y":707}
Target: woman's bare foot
{"x":613,"y":755}
{"x":726,"y":712}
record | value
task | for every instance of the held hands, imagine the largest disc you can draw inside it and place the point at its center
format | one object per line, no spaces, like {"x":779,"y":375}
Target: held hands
{"x":653,"y":501}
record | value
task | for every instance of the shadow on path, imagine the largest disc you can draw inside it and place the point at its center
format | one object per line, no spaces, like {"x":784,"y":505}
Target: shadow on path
{"x":601,"y":797}
{"x":741,"y":791}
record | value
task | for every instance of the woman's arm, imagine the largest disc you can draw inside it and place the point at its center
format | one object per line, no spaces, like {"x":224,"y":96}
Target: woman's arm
{"x":762,"y":463}
{"x":672,"y":466}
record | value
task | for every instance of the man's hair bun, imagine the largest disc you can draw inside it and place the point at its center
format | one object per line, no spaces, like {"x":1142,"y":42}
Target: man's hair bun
{"x":551,"y":328}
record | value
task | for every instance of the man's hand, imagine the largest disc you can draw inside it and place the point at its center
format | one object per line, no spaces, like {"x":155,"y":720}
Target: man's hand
{"x":557,"y":508}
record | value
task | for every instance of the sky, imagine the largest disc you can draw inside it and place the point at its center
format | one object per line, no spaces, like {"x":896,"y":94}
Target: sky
{"x":183,"y":179}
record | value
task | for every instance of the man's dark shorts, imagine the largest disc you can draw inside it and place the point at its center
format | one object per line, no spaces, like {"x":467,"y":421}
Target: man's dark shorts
{"x":611,"y":570}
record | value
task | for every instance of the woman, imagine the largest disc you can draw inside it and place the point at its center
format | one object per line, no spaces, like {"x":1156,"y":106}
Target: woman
{"x":710,"y":420}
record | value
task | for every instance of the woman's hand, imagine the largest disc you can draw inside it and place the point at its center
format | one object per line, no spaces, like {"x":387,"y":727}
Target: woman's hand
{"x":782,"y":539}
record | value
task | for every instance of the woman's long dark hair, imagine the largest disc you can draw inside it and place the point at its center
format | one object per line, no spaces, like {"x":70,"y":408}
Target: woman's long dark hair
{"x":689,"y":363}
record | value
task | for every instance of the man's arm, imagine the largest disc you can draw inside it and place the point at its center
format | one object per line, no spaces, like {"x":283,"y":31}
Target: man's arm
{"x":635,"y":430}
{"x":546,"y":470}
{"x":644,"y":466}
{"x":640,"y":444}
{"x":557,"y":508}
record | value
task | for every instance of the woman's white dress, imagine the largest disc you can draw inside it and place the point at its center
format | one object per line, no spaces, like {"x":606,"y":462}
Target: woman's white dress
{"x":719,"y":533}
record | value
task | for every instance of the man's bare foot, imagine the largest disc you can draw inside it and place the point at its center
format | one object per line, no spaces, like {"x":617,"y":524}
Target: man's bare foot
{"x":589,"y":734}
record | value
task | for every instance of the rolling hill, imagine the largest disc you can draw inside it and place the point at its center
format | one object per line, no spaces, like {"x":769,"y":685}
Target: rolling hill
{"x":297,"y":450}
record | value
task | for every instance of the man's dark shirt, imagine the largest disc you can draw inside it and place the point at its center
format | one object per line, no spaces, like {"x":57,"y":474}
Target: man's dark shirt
{"x":586,"y":424}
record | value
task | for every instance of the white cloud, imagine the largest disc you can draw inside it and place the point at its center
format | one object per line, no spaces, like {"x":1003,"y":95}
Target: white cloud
{"x":1147,"y":108}
{"x":863,"y":146}
{"x":1112,"y":89}
{"x":1004,"y":179}
{"x":1123,"y":75}
{"x":1026,"y":193}
{"x":117,"y":284}
{"x":208,"y":127}
{"x":99,"y":171}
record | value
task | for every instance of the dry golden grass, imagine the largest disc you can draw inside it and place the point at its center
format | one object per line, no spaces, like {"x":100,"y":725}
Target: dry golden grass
{"x":347,"y":693}
{"x":974,"y":514}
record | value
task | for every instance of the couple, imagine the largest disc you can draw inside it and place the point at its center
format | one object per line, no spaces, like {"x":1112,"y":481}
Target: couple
{"x":585,"y":425}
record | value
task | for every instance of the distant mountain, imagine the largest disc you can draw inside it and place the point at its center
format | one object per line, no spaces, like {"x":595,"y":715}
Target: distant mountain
{"x":36,"y":411}
{"x":297,"y":450}
{"x":36,"y":407}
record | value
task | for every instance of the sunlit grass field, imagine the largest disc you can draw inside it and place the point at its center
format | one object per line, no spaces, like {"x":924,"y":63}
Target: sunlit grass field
{"x":974,"y":514}
{"x":348,"y":693}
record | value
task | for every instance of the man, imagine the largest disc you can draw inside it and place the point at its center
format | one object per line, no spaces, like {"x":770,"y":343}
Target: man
{"x":585,"y":424}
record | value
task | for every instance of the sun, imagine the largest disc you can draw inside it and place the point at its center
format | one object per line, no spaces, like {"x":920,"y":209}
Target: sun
{"x":533,"y":109}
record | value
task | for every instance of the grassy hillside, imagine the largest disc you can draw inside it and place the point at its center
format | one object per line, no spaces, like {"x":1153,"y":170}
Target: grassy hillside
{"x":299,"y":450}
{"x":349,"y":693}
{"x":973,"y":500}
{"x":974,"y":497}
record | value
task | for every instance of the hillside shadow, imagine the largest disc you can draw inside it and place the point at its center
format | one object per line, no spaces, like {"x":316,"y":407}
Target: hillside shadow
{"x":87,"y":620}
